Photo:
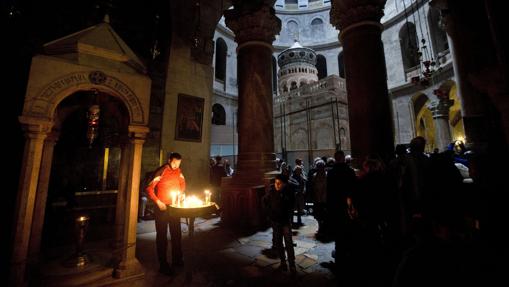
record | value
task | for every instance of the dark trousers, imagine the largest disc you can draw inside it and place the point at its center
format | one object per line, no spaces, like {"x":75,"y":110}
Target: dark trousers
{"x":280,"y":232}
{"x":163,"y":220}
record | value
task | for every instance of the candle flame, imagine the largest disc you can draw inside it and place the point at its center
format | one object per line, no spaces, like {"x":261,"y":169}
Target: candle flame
{"x":192,"y":201}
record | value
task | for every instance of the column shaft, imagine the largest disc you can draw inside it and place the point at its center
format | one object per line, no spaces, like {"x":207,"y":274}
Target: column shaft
{"x":369,"y":106}
{"x":256,"y":135}
{"x":29,"y":177}
{"x":41,"y":198}
{"x":129,"y":265}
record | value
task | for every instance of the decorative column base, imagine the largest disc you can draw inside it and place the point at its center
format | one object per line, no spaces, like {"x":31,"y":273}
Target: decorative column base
{"x":241,"y":201}
{"x":131,"y":269}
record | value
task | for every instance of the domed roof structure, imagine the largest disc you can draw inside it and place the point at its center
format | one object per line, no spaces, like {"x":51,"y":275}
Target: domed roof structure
{"x":297,"y":67}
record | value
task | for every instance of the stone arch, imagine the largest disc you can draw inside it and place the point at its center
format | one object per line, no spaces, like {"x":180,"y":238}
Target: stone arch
{"x":44,"y":103}
{"x":455,"y":115}
{"x":409,"y":45}
{"x":220,"y":63}
{"x":218,"y":114}
{"x":321,"y":66}
{"x":292,"y":28}
{"x":317,"y":26}
{"x":423,"y":120}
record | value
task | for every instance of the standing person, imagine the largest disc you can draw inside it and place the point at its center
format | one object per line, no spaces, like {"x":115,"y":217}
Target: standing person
{"x":341,"y":182}
{"x":319,"y":186}
{"x":218,"y":171}
{"x":278,"y":203}
{"x":298,"y":182}
{"x":168,"y":178}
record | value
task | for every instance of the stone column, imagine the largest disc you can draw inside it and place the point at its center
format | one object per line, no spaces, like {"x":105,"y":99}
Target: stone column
{"x":440,"y":111}
{"x":35,"y":132}
{"x":254,"y":32}
{"x":125,"y":161}
{"x":369,"y":105}
{"x":41,"y":197}
{"x":255,"y":28}
{"x":129,"y":265}
{"x":472,"y":53}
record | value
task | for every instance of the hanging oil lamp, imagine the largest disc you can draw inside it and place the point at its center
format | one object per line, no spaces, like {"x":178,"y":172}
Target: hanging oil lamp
{"x":93,"y":114}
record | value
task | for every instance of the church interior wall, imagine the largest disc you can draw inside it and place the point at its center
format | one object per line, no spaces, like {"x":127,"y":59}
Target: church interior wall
{"x":230,"y":84}
{"x":304,"y":32}
{"x":186,"y":76}
{"x":393,"y":57}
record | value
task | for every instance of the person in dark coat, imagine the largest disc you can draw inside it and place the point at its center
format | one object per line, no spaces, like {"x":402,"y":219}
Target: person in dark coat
{"x":341,"y":181}
{"x":278,"y":204}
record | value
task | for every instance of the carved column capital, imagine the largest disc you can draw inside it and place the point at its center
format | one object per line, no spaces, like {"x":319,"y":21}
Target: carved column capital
{"x":260,"y":25}
{"x":35,"y":128}
{"x":345,"y":13}
{"x":440,"y":108}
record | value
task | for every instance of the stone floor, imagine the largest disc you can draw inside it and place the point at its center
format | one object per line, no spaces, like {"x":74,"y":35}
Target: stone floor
{"x":222,"y":257}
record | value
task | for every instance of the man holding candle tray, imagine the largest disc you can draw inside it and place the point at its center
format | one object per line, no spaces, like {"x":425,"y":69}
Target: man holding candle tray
{"x":168,"y":181}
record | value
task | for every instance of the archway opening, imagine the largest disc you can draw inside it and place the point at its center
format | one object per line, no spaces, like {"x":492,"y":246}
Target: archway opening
{"x":85,"y":174}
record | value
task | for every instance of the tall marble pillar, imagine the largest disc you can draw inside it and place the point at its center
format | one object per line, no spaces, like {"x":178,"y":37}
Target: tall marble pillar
{"x":41,"y":198}
{"x":125,"y":161}
{"x":255,"y":26}
{"x":36,"y":131}
{"x":440,"y":112}
{"x":255,"y":31}
{"x":129,"y":265}
{"x":369,"y":105}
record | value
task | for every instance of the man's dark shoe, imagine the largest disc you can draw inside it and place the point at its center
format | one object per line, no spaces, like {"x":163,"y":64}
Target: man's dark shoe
{"x":166,"y":270}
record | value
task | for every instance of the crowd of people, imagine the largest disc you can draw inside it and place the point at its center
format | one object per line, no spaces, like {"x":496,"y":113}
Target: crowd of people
{"x":396,"y":221}
{"x":404,"y":222}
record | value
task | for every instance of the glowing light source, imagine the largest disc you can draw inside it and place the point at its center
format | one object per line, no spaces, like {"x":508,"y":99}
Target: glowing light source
{"x":192,"y":201}
{"x":207,"y":196}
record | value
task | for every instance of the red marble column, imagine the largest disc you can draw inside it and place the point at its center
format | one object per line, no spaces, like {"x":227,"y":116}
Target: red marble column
{"x":254,"y":32}
{"x":369,"y":106}
{"x":255,"y":29}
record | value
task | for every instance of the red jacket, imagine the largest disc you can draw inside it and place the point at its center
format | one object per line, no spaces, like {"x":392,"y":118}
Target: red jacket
{"x":166,"y":180}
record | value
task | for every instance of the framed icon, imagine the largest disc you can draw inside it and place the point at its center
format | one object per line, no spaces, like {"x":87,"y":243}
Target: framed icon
{"x":189,"y":118}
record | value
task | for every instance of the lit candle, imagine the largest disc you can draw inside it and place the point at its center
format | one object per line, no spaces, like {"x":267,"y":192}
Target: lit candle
{"x":207,"y":196}
{"x":173,"y":195}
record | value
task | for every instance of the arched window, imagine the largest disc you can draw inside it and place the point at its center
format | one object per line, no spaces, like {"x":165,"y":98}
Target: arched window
{"x":317,"y":26}
{"x":321,"y":66}
{"x":220,"y":67}
{"x":293,"y":86}
{"x":438,"y":35}
{"x":274,"y":75}
{"x":341,"y":65}
{"x":218,"y":115}
{"x":302,"y":83}
{"x":292,"y":29}
{"x":409,"y":45}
